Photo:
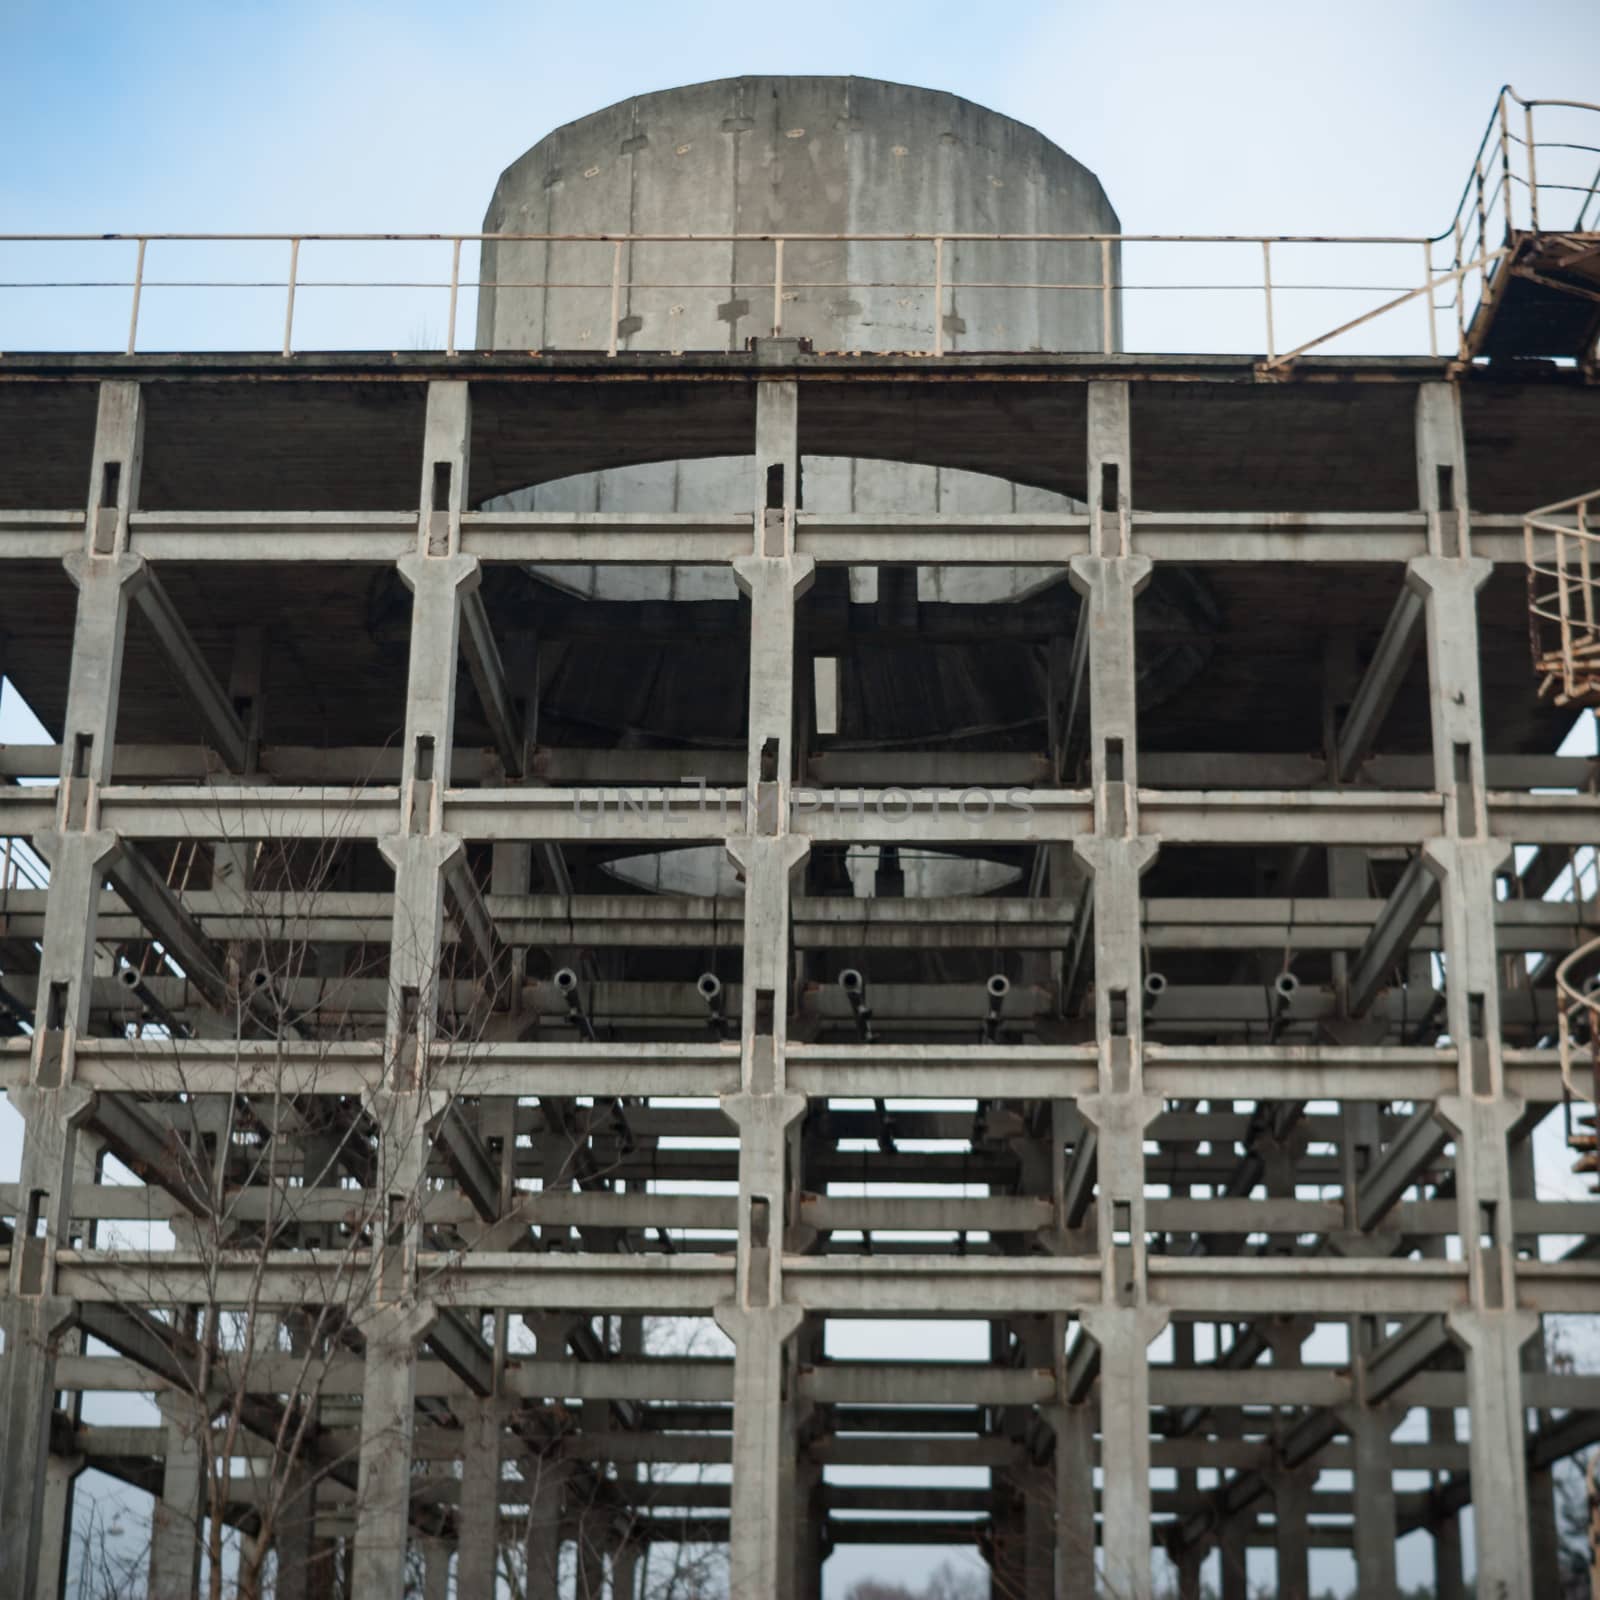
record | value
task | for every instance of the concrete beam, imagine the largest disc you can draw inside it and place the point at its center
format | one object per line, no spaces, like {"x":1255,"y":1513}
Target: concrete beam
{"x":1407,"y":908}
{"x":219,"y":723}
{"x":1397,"y":1167}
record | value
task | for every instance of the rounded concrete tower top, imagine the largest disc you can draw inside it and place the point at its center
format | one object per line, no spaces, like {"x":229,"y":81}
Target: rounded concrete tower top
{"x":777,"y":155}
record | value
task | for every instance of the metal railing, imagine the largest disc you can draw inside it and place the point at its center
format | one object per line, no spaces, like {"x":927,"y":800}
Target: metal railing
{"x":1578,"y":1029}
{"x":1562,"y":550}
{"x":1503,"y":192}
{"x":1502,"y":195}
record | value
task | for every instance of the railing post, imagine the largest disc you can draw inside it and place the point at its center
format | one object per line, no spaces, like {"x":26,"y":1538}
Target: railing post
{"x":1461,"y":295}
{"x":1505,"y":163}
{"x":455,"y":287}
{"x":1533,"y":167}
{"x":938,"y":295}
{"x":288,"y":310}
{"x":1433,"y":309}
{"x":777,"y":288}
{"x":138,"y":289}
{"x":1266,"y":282}
{"x":616,"y":293}
{"x":1105,"y":296}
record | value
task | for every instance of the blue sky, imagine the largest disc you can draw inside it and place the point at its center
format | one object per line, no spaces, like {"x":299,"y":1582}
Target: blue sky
{"x":1198,"y":117}
{"x":1239,"y":116}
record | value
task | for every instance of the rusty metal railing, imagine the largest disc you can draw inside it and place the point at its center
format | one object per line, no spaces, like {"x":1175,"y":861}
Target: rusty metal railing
{"x":1578,"y":1032}
{"x":1505,"y":195}
{"x":1506,"y":191}
{"x":1561,"y":547}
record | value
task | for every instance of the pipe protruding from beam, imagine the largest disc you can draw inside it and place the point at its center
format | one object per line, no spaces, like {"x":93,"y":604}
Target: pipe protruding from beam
{"x":709,"y":986}
{"x":566,"y":982}
{"x":854,"y":984}
{"x":997,"y":988}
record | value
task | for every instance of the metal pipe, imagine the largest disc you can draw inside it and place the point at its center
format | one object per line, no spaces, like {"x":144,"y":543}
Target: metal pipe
{"x":138,"y":288}
{"x":132,"y":980}
{"x":855,"y":989}
{"x":1155,"y":985}
{"x":455,"y":286}
{"x":566,"y":981}
{"x":777,"y":286}
{"x":710,"y":987}
{"x":288,"y":310}
{"x":1105,"y":295}
{"x":997,"y":988}
{"x":1266,"y":282}
{"x":616,"y":296}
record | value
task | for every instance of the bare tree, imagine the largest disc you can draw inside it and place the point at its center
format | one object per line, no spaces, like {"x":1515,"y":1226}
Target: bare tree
{"x":258,"y":1159}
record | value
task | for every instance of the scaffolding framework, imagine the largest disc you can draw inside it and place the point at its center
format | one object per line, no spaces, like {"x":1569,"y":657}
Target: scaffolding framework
{"x":1277,"y":1024}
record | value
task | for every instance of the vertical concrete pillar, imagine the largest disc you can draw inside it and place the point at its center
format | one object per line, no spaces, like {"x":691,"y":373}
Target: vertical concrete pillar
{"x":176,"y":1523}
{"x":757,"y":1320}
{"x":1291,"y":1508}
{"x":1233,"y":1558}
{"x":420,"y":852}
{"x":1291,"y":1486}
{"x":304,"y":1565}
{"x":60,"y":1484}
{"x":478,"y":1563}
{"x":1109,"y":580}
{"x":436,"y":1554}
{"x":1189,"y":1575}
{"x":1448,"y":1580}
{"x":51,"y":1106}
{"x":546,"y":1479}
{"x":1543,"y":1532}
{"x":1074,"y":1492}
{"x":1375,"y":1528}
{"x":388,"y":1418}
{"x":625,"y":1571}
{"x":1481,"y":1112}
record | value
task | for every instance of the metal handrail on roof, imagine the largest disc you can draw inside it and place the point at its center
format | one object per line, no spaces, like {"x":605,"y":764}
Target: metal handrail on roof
{"x":1501,"y":196}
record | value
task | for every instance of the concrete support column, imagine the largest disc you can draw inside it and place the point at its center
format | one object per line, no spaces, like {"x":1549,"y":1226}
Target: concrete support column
{"x":421,"y":853}
{"x":305,"y":1567}
{"x":1543,"y":1531}
{"x":1291,"y":1486}
{"x":1481,"y":1112}
{"x":546,"y":1477}
{"x":625,"y":1571}
{"x":1233,"y":1557}
{"x":1189,"y":1575}
{"x":1074,"y":1492}
{"x":1448,"y":1580}
{"x":1291,"y":1507}
{"x":1375,"y":1529}
{"x":180,"y":1509}
{"x":1109,"y":580}
{"x":60,"y":1486}
{"x":51,"y":1107}
{"x":436,"y":1554}
{"x":478,"y":1563}
{"x":757,"y":1320}
{"x":388,"y":1417}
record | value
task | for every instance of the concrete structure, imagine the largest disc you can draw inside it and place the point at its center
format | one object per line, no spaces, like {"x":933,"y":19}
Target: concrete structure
{"x":1217,"y":1112}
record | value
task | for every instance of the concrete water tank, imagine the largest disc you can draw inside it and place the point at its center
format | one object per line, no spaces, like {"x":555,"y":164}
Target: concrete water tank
{"x":816,"y":156}
{"x":795,"y":156}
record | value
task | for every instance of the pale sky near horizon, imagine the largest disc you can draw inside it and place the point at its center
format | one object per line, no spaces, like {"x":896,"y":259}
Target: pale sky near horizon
{"x":1243,"y":116}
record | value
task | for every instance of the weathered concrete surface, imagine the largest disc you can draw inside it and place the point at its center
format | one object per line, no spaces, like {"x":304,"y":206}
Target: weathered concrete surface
{"x":795,"y":155}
